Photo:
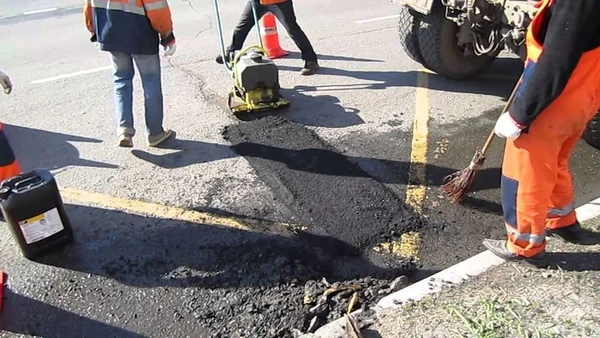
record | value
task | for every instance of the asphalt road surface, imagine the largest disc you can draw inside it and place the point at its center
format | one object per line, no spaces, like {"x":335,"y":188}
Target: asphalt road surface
{"x":237,"y":227}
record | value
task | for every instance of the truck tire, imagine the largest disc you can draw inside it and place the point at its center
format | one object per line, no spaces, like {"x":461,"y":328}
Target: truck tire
{"x":440,"y":50}
{"x":592,"y":132}
{"x":408,"y":32}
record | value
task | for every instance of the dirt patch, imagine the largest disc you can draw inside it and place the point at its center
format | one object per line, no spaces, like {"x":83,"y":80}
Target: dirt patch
{"x":513,"y":300}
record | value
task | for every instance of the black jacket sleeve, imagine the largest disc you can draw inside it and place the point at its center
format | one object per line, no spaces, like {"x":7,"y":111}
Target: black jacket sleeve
{"x":573,"y":28}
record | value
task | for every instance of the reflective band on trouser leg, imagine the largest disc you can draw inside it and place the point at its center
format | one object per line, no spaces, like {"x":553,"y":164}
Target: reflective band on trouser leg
{"x":9,"y":166}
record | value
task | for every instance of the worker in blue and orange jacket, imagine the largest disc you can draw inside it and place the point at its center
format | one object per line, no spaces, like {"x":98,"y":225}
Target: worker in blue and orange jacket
{"x":131,"y":30}
{"x":9,"y":166}
{"x":557,"y":97}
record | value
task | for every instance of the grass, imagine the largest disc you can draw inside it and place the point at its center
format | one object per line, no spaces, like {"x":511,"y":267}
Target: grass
{"x":511,"y":301}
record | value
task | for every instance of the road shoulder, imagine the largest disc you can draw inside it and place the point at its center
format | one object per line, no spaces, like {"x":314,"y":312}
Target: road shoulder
{"x":510,"y":298}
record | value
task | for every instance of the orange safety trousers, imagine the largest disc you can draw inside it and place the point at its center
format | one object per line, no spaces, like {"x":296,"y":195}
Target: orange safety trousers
{"x":536,"y":184}
{"x":9,"y":166}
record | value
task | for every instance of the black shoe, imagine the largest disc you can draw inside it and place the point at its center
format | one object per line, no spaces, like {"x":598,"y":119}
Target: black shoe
{"x":310,"y":67}
{"x":498,"y":248}
{"x":571,"y":233}
{"x":219,"y":59}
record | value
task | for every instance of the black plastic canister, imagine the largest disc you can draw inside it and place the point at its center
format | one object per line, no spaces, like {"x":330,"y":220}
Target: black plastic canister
{"x":33,"y":208}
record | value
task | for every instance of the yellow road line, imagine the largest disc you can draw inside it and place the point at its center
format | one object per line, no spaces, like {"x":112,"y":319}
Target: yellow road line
{"x":485,"y":76}
{"x":416,"y":189}
{"x":409,"y":243}
{"x":151,"y":209}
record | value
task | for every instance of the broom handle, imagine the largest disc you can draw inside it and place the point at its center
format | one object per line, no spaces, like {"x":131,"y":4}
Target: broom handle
{"x":511,"y":98}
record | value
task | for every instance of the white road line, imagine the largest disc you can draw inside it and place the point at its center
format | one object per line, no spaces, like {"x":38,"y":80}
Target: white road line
{"x":66,"y":76}
{"x":41,"y":11}
{"x":381,"y":18}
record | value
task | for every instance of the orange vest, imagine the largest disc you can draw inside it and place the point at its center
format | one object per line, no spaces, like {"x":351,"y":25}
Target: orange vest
{"x":583,"y":87}
{"x":271,"y":2}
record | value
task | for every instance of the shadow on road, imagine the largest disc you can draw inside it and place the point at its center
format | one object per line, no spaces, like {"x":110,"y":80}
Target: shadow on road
{"x":193,"y":152}
{"x":390,"y":79}
{"x":319,"y":111}
{"x":37,"y":148}
{"x":27,"y":316}
{"x":149,"y":252}
{"x":575,"y":261}
{"x":296,"y":55}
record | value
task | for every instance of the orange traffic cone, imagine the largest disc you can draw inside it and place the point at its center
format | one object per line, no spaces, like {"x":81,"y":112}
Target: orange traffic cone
{"x":270,"y":38}
{"x":2,"y":282}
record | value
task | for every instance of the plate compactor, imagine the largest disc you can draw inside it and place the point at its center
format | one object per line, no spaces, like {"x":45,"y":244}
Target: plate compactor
{"x":256,"y":77}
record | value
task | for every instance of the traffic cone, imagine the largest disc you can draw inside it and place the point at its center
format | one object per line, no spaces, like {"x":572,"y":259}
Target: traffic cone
{"x":270,"y":38}
{"x":2,"y":282}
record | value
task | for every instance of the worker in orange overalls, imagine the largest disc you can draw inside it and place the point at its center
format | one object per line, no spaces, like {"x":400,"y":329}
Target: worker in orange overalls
{"x":9,"y":166}
{"x":559,"y":94}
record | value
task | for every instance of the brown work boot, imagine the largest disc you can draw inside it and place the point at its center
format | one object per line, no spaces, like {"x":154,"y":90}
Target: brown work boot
{"x":498,"y":248}
{"x":310,"y":67}
{"x":125,"y":141}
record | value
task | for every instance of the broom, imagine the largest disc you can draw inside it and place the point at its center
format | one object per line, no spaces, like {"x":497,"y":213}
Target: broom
{"x":458,"y":184}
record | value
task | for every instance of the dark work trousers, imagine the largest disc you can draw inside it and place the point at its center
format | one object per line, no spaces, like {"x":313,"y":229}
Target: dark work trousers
{"x":284,"y":12}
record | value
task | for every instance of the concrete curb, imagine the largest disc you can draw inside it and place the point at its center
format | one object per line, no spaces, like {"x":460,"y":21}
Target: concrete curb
{"x":451,"y":276}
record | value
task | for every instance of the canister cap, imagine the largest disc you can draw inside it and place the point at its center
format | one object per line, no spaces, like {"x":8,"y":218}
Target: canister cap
{"x":4,"y":192}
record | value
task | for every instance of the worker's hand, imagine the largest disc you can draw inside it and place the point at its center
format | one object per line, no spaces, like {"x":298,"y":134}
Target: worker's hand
{"x":170,"y":49}
{"x":169,"y":43}
{"x":507,"y":127}
{"x":5,"y":82}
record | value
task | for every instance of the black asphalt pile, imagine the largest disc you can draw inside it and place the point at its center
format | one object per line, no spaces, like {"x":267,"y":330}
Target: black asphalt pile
{"x":324,"y":188}
{"x":346,"y":212}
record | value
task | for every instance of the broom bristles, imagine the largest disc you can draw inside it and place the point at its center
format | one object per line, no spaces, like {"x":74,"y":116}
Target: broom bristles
{"x":458,"y":184}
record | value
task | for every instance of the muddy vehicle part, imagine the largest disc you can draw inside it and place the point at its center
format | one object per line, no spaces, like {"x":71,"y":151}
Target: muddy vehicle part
{"x":460,"y":38}
{"x":592,"y":133}
{"x":409,"y":23}
{"x":446,"y":52}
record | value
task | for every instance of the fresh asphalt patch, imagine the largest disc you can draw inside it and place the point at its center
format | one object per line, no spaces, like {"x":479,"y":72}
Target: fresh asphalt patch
{"x":326,"y":190}
{"x":346,"y":211}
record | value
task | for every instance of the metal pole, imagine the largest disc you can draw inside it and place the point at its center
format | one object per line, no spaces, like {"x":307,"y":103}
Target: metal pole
{"x":220,"y":30}
{"x":256,"y":22}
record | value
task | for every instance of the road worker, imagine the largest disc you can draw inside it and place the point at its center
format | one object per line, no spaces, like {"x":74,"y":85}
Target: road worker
{"x":131,"y":30}
{"x":284,"y":11}
{"x":558,"y":95}
{"x":9,"y":166}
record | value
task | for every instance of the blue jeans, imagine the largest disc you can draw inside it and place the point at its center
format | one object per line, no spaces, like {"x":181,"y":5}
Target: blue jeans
{"x":150,"y":72}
